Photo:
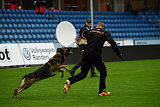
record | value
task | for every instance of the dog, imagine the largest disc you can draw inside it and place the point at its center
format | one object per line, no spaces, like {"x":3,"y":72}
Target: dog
{"x":49,"y":69}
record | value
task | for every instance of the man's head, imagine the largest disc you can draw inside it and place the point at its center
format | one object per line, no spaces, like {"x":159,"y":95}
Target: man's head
{"x":88,"y":22}
{"x":101,"y":25}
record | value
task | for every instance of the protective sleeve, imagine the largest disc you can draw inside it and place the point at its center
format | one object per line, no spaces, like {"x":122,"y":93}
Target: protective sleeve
{"x":113,"y":44}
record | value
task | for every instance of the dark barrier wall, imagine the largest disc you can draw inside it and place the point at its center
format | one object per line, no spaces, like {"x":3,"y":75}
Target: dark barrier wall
{"x":129,"y":53}
{"x":28,"y":4}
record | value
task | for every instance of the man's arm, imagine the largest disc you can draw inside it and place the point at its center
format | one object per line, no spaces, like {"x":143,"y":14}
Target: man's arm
{"x":81,"y":32}
{"x":113,"y":44}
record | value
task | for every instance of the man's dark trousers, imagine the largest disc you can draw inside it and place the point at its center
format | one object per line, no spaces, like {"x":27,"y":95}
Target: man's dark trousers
{"x":86,"y":65}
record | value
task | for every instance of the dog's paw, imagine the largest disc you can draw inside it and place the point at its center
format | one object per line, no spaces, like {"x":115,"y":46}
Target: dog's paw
{"x":62,"y":75}
{"x":15,"y":94}
{"x":67,"y":69}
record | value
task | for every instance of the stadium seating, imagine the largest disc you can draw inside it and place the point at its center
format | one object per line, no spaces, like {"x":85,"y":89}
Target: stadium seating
{"x":151,"y":17}
{"x":25,"y":26}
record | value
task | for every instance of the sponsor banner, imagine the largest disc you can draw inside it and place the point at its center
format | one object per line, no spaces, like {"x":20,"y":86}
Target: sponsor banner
{"x":37,"y":53}
{"x":147,"y":42}
{"x":128,"y":42}
{"x":119,"y":43}
{"x":10,"y":55}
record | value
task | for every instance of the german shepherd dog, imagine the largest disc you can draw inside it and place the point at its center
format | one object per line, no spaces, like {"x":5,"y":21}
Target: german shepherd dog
{"x":49,"y":69}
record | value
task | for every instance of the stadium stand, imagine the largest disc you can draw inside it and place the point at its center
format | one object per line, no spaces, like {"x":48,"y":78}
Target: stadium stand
{"x":151,"y":17}
{"x":25,"y":26}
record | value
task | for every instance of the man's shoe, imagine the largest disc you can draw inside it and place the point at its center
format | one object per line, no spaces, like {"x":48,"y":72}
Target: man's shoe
{"x":66,"y":86}
{"x":72,"y":73}
{"x":94,"y":75}
{"x":103,"y":93}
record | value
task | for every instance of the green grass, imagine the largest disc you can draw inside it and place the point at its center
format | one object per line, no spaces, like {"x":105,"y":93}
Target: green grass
{"x":132,"y":84}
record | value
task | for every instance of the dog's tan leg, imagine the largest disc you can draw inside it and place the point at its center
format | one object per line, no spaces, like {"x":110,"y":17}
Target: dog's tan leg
{"x":16,"y":91}
{"x":25,"y":83}
{"x":22,"y":82}
{"x":63,"y":66}
{"x":62,"y":73}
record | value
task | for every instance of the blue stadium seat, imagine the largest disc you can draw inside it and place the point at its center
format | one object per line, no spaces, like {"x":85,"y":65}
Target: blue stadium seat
{"x":11,"y":37}
{"x":30,"y":21}
{"x":1,"y":38}
{"x":2,"y":41}
{"x":46,"y":26}
{"x":27,"y":31}
{"x":37,"y":25}
{"x":1,"y":26}
{"x":43,"y":37}
{"x":20,"y":37}
{"x":15,"y":16}
{"x":31,"y":12}
{"x":18,"y":31}
{"x":28,"y":26}
{"x":39,"y":37}
{"x":8,"y":31}
{"x":26,"y":20}
{"x":22,"y":31}
{"x":33,"y":21}
{"x":36,"y":31}
{"x":8,"y":41}
{"x":40,"y":31}
{"x":33,"y":36}
{"x":5,"y":16}
{"x":48,"y":12}
{"x":33,"y":26}
{"x":45,"y":31}
{"x":1,"y":16}
{"x":5,"y":26}
{"x":32,"y":31}
{"x":18,"y":26}
{"x":25,"y":37}
{"x":24,"y":26}
{"x":41,"y":25}
{"x":13,"y":31}
{"x":15,"y":36}
{"x":17,"y":21}
{"x":49,"y":31}
{"x":19,"y":16}
{"x":6,"y":37}
{"x":10,"y":16}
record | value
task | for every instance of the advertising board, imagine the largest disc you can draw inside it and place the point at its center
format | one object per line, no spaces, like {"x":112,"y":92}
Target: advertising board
{"x":10,"y":55}
{"x":37,"y":53}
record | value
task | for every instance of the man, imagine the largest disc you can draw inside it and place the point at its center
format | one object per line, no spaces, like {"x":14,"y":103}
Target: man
{"x":92,"y":55}
{"x":82,"y":33}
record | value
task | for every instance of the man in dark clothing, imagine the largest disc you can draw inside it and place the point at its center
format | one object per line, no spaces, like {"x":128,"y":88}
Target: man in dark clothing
{"x":92,"y":55}
{"x":82,"y":33}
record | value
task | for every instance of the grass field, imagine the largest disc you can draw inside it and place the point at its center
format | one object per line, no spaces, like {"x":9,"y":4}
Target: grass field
{"x":132,"y":84}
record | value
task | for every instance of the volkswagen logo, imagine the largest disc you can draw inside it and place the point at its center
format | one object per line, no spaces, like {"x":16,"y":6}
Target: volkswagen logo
{"x":26,"y":53}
